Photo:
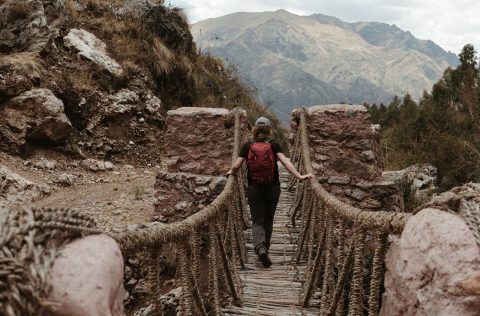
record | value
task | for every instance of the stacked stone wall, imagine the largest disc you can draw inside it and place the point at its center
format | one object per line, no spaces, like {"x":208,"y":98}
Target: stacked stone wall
{"x":200,"y":140}
{"x":198,"y":155}
{"x":346,"y":156}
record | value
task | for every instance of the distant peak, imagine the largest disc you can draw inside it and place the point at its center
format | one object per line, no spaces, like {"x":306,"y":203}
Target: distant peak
{"x":283,"y":11}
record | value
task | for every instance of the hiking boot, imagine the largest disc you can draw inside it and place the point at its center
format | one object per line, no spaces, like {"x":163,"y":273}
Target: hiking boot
{"x":263,"y":256}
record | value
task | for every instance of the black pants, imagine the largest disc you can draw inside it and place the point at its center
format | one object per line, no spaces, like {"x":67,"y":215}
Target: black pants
{"x":263,"y":201}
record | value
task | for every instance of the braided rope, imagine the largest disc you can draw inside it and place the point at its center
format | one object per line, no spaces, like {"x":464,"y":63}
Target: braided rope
{"x":214,"y":269}
{"x":377,"y":273}
{"x":327,"y":287}
{"x":186,"y":297}
{"x":29,"y":239}
{"x":470,"y":211}
{"x":154,"y":281}
{"x":378,"y":220}
{"x":356,"y":290}
{"x":332,"y":263}
{"x":342,"y":268}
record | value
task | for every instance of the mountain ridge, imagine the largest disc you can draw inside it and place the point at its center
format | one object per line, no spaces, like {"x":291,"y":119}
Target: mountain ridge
{"x":329,"y":60}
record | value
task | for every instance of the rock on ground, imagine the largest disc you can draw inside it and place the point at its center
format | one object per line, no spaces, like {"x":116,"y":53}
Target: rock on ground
{"x":36,"y":115}
{"x":90,"y":47}
{"x":96,"y":165}
{"x":87,"y":278}
{"x":433,"y":268}
{"x":15,"y":189}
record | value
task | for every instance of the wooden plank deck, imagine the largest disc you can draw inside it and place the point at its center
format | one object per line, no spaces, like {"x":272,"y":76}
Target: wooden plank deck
{"x":274,"y":291}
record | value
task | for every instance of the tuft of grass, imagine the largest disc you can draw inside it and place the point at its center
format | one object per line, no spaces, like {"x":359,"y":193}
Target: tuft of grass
{"x":139,"y":193}
{"x":27,"y":63}
{"x":163,"y":57}
{"x":19,"y":11}
{"x":70,"y":6}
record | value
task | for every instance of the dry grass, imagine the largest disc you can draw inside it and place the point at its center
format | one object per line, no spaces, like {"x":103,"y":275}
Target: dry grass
{"x":70,"y":6}
{"x":183,"y":76}
{"x":79,"y":80}
{"x":139,"y":193}
{"x":27,"y":63}
{"x":163,"y":57}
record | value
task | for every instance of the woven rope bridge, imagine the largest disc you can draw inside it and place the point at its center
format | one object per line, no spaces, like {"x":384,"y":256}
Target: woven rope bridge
{"x":327,"y":255}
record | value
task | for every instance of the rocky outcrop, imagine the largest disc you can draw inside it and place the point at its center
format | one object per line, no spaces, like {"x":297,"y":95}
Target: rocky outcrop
{"x":23,"y":26}
{"x":122,"y":102}
{"x":433,"y":268}
{"x":172,"y":27}
{"x":90,"y":47}
{"x":134,"y":9}
{"x":16,"y":190}
{"x":417,"y":183}
{"x":36,"y":115}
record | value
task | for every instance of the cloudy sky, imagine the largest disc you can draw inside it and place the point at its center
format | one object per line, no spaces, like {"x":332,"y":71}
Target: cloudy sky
{"x":449,"y":23}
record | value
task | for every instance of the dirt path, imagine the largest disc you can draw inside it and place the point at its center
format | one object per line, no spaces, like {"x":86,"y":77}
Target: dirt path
{"x":116,"y":198}
{"x":115,"y":202}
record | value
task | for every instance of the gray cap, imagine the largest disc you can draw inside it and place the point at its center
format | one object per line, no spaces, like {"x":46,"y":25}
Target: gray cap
{"x":262,"y":121}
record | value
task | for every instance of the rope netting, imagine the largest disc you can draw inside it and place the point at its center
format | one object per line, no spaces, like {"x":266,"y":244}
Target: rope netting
{"x":218,"y":229}
{"x":344,"y":246}
{"x":29,"y":239}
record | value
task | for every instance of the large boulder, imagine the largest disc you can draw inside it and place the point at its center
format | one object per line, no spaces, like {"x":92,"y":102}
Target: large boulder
{"x":36,"y":115}
{"x":87,"y":278}
{"x":134,"y":8}
{"x":433,"y":268}
{"x":90,"y":47}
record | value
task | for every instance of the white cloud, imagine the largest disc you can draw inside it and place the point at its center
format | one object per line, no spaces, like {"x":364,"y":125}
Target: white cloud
{"x":450,"y":24}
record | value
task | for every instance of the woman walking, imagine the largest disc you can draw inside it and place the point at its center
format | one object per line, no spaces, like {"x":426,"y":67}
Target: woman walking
{"x":262,"y":154}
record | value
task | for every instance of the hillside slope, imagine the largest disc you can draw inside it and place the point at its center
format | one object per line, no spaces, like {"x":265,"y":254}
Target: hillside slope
{"x":317,"y":59}
{"x":95,"y":78}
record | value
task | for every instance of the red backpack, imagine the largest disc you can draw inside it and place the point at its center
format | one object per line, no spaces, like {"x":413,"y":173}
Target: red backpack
{"x":261,"y":163}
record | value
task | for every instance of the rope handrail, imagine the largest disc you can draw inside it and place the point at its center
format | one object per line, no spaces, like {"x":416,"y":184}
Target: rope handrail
{"x":387,"y":221}
{"x":224,"y":217}
{"x":344,"y":245}
{"x":30,"y":237}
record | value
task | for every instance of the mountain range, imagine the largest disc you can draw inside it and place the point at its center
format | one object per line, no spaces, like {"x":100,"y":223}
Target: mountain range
{"x":308,"y":60}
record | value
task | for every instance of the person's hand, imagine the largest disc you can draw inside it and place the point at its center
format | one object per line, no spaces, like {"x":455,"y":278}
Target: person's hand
{"x":229,"y":172}
{"x":306,"y":176}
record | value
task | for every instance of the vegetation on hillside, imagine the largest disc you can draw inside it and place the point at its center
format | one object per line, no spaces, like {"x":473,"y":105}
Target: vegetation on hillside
{"x":442,"y":128}
{"x":161,"y":43}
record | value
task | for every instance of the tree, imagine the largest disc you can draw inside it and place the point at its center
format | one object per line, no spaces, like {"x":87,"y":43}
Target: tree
{"x":442,"y":129}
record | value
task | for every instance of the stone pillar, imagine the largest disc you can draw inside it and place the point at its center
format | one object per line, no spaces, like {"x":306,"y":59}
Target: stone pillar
{"x":200,"y":140}
{"x":346,"y":156}
{"x":198,"y":155}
